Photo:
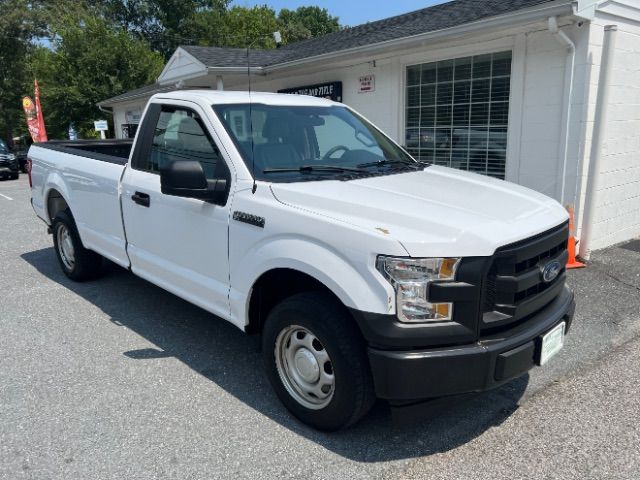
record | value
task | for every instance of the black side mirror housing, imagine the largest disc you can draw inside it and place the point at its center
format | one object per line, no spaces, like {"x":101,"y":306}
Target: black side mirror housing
{"x":187,"y":179}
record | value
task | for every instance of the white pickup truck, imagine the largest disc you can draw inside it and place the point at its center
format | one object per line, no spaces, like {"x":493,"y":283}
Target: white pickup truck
{"x":367,"y":274}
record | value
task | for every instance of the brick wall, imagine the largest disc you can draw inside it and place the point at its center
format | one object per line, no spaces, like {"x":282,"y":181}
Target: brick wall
{"x":617,"y":216}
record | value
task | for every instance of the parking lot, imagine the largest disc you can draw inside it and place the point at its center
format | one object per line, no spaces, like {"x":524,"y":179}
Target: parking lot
{"x":116,"y":378}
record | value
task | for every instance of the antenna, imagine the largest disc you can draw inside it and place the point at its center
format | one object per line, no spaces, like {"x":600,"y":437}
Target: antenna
{"x":277,"y":37}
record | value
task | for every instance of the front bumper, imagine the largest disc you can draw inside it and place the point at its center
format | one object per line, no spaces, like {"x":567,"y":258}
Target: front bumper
{"x":403,"y":377}
{"x":8,"y":170}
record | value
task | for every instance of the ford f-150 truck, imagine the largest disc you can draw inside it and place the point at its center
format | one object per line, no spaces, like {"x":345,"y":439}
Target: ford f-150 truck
{"x":366,"y":273}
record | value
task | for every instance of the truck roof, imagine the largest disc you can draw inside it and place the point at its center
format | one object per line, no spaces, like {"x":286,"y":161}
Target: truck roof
{"x":214,"y":97}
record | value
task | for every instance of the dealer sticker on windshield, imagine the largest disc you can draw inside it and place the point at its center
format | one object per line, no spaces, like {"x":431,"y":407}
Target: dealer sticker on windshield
{"x":552,"y":343}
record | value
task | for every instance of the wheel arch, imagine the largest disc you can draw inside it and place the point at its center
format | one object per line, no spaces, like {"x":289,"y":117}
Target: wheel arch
{"x":273,"y":286}
{"x":56,"y":197}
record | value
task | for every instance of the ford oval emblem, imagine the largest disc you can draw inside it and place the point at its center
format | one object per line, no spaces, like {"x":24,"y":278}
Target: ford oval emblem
{"x":551,"y":271}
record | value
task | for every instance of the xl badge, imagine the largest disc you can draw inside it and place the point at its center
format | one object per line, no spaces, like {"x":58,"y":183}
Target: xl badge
{"x":551,"y":271}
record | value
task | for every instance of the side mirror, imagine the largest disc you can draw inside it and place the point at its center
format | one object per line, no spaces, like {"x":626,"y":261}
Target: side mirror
{"x":187,"y":179}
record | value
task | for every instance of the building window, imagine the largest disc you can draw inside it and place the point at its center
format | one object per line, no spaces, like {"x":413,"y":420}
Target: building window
{"x":457,"y":112}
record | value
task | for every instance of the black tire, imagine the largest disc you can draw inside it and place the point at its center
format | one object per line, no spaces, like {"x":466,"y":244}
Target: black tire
{"x":86,"y":264}
{"x":329,"y":321}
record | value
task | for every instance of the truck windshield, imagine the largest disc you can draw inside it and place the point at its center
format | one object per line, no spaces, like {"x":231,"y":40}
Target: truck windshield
{"x":291,"y":143}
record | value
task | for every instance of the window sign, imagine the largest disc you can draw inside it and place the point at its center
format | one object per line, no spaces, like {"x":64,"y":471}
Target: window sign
{"x":133,"y":116}
{"x":367,"y":83}
{"x":331,"y":91}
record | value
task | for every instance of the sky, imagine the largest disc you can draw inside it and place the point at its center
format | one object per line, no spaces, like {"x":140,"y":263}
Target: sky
{"x":351,"y":12}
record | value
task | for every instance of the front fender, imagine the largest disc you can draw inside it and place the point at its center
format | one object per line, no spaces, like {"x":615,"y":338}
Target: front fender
{"x":356,"y":283}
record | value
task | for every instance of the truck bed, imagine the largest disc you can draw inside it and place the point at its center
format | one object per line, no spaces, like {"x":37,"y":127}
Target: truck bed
{"x":112,"y":151}
{"x":86,"y":174}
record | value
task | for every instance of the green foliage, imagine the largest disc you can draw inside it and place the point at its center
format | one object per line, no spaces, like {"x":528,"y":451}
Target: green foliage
{"x":19,"y":24}
{"x":89,"y":61}
{"x":253,"y":26}
{"x":164,"y":24}
{"x":306,"y":22}
{"x":84,"y":51}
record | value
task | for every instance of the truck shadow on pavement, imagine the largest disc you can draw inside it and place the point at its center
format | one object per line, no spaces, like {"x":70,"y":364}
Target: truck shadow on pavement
{"x":225,"y":355}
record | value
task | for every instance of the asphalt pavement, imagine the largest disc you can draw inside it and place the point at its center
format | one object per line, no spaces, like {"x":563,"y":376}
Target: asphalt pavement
{"x":116,"y":378}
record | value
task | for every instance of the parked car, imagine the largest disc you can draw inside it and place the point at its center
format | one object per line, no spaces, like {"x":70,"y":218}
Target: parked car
{"x":20,"y":147}
{"x":366,"y":273}
{"x":21,"y":156}
{"x":9,"y":165}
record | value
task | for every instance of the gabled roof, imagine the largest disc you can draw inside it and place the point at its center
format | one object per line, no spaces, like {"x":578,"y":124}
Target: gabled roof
{"x":145,"y":91}
{"x":234,"y":57}
{"x":430,"y":19}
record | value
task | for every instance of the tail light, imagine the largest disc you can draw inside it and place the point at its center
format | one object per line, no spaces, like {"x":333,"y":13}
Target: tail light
{"x":29,"y":163}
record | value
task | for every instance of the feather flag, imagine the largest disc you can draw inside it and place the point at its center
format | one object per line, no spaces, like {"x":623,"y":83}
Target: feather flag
{"x":35,"y":120}
{"x":41,"y":128}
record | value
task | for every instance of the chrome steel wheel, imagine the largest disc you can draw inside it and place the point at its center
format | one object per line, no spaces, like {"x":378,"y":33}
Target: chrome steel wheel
{"x":304,"y":367}
{"x":65,"y":246}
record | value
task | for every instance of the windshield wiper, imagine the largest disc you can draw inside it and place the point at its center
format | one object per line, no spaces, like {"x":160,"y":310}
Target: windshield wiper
{"x":385,"y":161}
{"x":315,"y":168}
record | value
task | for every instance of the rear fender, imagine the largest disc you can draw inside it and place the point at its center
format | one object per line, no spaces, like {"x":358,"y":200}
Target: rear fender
{"x":55,"y":182}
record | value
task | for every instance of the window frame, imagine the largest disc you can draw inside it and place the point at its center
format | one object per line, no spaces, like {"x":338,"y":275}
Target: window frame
{"x":516,"y":43}
{"x":144,"y":137}
{"x":452,"y":56}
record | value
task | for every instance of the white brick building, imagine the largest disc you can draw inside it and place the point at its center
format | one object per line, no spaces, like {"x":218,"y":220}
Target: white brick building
{"x":509,"y":88}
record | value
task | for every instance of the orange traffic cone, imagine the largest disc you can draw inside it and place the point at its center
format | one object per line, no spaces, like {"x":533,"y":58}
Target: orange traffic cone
{"x":572,"y":262}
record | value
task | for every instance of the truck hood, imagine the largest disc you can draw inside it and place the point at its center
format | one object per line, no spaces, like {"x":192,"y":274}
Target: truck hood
{"x":436,"y":212}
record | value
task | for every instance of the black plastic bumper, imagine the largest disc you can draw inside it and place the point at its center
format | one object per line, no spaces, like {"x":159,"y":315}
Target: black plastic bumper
{"x":410,"y":376}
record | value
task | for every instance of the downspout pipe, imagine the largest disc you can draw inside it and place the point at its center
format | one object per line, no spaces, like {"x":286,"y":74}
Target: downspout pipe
{"x":569,"y":74}
{"x":599,"y":136}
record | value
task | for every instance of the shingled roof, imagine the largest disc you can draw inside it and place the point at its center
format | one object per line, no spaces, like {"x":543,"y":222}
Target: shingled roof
{"x":430,"y":19}
{"x":436,"y":18}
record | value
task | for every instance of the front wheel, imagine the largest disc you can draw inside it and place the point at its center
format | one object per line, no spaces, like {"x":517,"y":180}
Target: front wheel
{"x":316,"y":361}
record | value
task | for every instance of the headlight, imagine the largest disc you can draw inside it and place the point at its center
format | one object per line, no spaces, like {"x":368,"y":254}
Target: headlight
{"x":410,"y":278}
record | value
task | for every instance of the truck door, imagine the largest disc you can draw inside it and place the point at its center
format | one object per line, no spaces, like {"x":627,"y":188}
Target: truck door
{"x":180,"y":244}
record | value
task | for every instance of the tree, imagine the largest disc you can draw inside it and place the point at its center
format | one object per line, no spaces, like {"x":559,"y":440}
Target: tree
{"x":83,"y":51}
{"x":88,"y":62}
{"x":306,"y":22}
{"x":253,"y":26}
{"x":20,"y":22}
{"x":164,"y":24}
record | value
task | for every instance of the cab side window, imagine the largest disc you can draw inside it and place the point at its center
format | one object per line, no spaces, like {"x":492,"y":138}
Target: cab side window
{"x":181,"y":135}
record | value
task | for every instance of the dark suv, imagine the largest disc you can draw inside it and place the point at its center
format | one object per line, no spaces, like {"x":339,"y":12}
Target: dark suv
{"x":9,"y":165}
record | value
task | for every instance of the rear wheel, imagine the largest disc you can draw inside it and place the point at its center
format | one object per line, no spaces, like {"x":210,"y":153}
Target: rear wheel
{"x":77,"y":262}
{"x":316,"y":360}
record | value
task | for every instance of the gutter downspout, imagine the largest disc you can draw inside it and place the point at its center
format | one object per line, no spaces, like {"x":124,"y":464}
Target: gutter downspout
{"x":105,"y":110}
{"x":569,"y":74}
{"x":599,"y":130}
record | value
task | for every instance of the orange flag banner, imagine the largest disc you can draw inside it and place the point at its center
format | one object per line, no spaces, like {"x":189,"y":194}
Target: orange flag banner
{"x":41,"y":128}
